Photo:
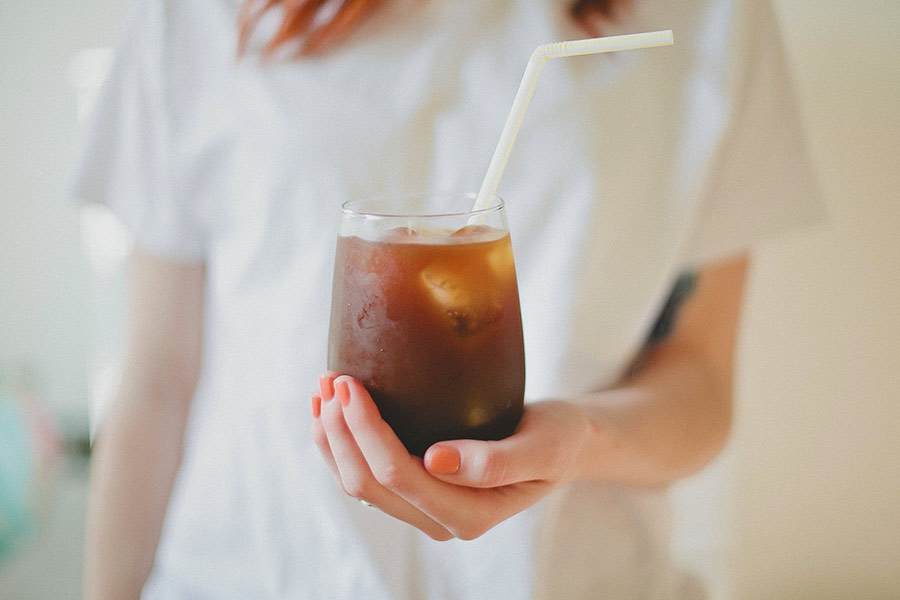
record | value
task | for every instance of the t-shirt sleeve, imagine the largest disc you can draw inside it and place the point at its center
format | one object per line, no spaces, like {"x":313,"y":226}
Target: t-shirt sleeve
{"x":761,"y":181}
{"x":124,"y":159}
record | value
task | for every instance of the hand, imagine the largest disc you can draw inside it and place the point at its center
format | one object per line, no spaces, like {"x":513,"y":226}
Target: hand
{"x":462,"y":488}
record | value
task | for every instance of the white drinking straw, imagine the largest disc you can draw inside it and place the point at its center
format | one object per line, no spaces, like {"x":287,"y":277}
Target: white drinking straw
{"x":541,"y":55}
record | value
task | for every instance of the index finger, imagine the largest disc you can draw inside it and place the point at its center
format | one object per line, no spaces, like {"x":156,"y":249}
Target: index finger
{"x":391,"y":464}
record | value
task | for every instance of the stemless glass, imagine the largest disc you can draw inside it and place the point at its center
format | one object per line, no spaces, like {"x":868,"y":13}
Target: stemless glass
{"x":425,"y":314}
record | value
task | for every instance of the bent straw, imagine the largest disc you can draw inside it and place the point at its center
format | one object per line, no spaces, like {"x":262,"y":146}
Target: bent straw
{"x":540,"y":56}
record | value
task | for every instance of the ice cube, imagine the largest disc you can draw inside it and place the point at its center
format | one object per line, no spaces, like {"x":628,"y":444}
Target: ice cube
{"x":473,"y":230}
{"x":446,"y":289}
{"x":399,"y":234}
{"x":501,"y":262}
{"x":467,"y":308}
{"x":500,"y":259}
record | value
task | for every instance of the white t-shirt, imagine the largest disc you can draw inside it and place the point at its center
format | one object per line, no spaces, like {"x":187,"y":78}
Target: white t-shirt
{"x":629,"y":168}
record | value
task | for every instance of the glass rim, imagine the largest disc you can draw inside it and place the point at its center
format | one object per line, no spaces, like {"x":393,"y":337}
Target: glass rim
{"x":355,"y":207}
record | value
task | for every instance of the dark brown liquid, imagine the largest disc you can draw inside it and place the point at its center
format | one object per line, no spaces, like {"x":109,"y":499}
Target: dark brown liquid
{"x":431,"y":326}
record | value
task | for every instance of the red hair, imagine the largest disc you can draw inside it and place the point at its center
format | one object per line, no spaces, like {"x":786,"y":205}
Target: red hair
{"x":317,"y":25}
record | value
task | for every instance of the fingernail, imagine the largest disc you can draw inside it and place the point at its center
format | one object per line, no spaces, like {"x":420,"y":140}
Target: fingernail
{"x":443,"y":460}
{"x":342,"y":390}
{"x":326,"y":387}
{"x":315,"y":404}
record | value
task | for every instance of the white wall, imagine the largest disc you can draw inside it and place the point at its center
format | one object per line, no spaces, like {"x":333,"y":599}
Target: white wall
{"x":44,"y":302}
{"x":818,"y":432}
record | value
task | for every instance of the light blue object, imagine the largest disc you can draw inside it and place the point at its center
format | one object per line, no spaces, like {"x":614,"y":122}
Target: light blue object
{"x":17,"y":468}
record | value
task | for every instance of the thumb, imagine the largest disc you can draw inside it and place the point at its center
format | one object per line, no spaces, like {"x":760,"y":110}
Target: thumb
{"x":480,"y":464}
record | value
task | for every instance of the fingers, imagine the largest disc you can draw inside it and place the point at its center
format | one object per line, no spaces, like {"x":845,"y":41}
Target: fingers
{"x":319,"y":437}
{"x":371,"y":431}
{"x":355,"y":476}
{"x":382,"y":460}
{"x":402,"y":474}
{"x":342,"y":454}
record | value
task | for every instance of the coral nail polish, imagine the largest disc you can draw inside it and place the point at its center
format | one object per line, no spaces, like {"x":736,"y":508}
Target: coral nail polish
{"x":315,"y":406}
{"x":342,"y":391}
{"x":326,"y":387}
{"x":443,"y":460}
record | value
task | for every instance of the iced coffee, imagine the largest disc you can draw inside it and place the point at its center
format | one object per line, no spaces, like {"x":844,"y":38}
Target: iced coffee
{"x":425,"y":314}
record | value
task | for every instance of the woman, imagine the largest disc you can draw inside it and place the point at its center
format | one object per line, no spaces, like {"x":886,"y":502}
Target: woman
{"x":629,"y":170}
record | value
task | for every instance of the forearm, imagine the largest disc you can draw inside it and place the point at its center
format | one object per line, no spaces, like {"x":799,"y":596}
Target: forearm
{"x":666,"y":422}
{"x":673,"y":415}
{"x":138,"y":448}
{"x":136,"y":458}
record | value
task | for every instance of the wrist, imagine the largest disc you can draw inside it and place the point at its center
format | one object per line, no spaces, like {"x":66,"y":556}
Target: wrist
{"x":600,"y":452}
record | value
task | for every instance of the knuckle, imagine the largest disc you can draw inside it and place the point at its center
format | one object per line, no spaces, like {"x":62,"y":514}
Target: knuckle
{"x":343,"y":485}
{"x":494,"y":467}
{"x":389,"y":474}
{"x":356,"y":487}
